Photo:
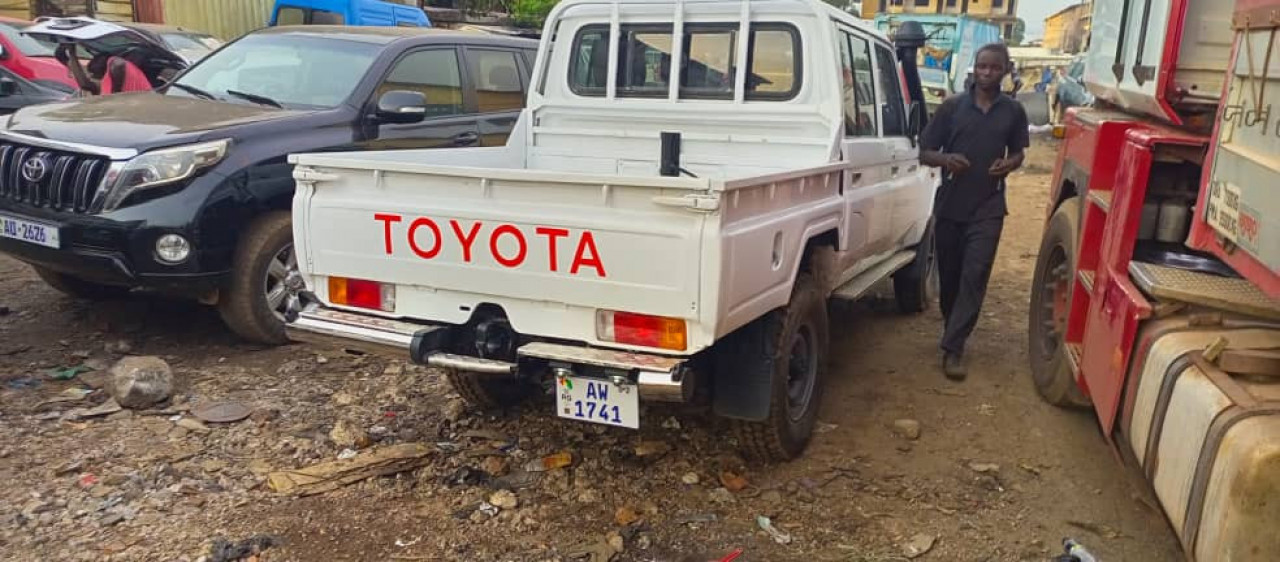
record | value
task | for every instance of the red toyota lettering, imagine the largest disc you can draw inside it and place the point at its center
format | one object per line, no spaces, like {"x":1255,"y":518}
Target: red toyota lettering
{"x":413,"y":240}
{"x":386,"y":219}
{"x":466,"y":239}
{"x":587,"y":244}
{"x":497,"y":255}
{"x":552,"y":235}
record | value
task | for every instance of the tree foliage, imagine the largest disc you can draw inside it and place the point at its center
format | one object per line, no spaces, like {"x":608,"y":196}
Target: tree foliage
{"x":1018,"y":34}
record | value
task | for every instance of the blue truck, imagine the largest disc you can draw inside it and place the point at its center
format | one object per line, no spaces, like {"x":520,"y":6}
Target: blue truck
{"x":946,"y":59}
{"x":347,"y":12}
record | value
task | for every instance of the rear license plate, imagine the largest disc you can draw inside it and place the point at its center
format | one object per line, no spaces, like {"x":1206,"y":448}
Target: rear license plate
{"x":28,"y":231}
{"x":598,"y":401}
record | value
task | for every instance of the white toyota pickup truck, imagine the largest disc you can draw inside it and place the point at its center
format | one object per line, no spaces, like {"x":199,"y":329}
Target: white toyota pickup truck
{"x":651,"y":230}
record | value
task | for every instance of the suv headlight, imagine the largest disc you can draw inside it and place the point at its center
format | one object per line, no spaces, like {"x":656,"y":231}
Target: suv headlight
{"x":162,"y":167}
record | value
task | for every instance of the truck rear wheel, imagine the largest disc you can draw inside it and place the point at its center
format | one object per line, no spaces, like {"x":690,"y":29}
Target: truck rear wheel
{"x":916,"y":286}
{"x":79,"y":288}
{"x":791,"y":344}
{"x":488,"y":392}
{"x":1050,"y":307}
{"x":253,"y":302}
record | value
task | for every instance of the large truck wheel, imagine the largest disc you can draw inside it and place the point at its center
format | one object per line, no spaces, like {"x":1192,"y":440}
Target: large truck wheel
{"x":1050,"y":307}
{"x":79,"y":288}
{"x":255,"y":299}
{"x":790,"y":344}
{"x":916,"y":286}
{"x":488,"y":392}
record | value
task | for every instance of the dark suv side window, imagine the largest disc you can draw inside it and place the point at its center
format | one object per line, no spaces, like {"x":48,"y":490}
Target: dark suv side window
{"x":436,"y":74}
{"x":894,"y":112}
{"x":496,"y":76}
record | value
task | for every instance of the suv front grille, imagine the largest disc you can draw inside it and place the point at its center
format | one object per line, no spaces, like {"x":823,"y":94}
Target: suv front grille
{"x":54,"y":179}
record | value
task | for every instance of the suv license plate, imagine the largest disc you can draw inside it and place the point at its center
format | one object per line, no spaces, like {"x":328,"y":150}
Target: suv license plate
{"x":598,"y":401}
{"x":28,"y":231}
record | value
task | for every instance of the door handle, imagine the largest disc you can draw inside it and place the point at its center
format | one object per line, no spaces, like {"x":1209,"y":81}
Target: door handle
{"x":463,"y":139}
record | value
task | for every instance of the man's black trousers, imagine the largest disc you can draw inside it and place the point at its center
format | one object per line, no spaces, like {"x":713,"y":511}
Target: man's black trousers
{"x":966,"y":254}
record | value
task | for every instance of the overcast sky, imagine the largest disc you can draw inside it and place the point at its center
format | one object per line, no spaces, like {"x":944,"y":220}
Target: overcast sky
{"x":1034,"y":12}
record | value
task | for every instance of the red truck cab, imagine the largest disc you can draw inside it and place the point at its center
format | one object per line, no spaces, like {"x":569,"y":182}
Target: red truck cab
{"x":30,"y":58}
{"x":1156,"y":297}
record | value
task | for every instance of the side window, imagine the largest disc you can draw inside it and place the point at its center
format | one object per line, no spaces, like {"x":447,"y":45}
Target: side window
{"x":291,"y":16}
{"x":321,"y":17}
{"x":434,"y":73}
{"x":861,"y":118}
{"x":644,"y":61}
{"x":496,"y":76}
{"x":774,"y":63}
{"x":590,"y":65}
{"x":894,"y":112}
{"x":708,"y":67}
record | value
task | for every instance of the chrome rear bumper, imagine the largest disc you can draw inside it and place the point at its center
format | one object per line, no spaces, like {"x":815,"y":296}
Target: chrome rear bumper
{"x":660,"y":378}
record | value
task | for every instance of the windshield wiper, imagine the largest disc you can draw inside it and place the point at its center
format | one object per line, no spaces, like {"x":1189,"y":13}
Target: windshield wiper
{"x":255,"y":98}
{"x":194,"y":90}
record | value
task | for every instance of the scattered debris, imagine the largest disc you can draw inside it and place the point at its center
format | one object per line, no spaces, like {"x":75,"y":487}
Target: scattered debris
{"x":625,"y":516}
{"x":919,"y":545}
{"x":348,"y":435}
{"x":690,"y":478}
{"x":617,"y":542}
{"x":598,"y":550}
{"x":984,"y":467}
{"x":732,"y":481}
{"x":697,"y":518}
{"x":671,"y":423}
{"x":826,"y":427}
{"x":224,"y":550}
{"x":466,"y":476}
{"x":119,"y":347}
{"x":324,"y":477}
{"x":518,"y":480}
{"x":767,"y":525}
{"x":221,"y":412}
{"x":651,"y":449}
{"x":986,"y":409}
{"x":103,"y":409}
{"x":192,"y":424}
{"x":495,"y":466}
{"x":70,"y":395}
{"x":347,"y":454}
{"x":732,"y":556}
{"x":907,"y":429}
{"x":139,"y":382}
{"x":67,"y":373}
{"x":562,"y":459}
{"x":504,"y":499}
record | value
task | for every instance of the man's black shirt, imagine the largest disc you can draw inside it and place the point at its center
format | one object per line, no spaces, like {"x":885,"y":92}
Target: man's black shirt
{"x":961,"y":127}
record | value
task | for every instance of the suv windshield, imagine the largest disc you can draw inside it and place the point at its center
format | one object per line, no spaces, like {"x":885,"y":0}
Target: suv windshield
{"x":27,"y":45}
{"x":295,"y":71}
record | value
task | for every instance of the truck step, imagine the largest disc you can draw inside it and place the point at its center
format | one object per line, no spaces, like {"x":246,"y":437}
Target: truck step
{"x":1234,"y":295}
{"x":858,"y":287}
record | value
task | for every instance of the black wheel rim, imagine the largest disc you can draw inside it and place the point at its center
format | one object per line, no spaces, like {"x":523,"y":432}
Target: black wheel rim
{"x":275,"y":282}
{"x":802,"y":373}
{"x":1053,"y":302}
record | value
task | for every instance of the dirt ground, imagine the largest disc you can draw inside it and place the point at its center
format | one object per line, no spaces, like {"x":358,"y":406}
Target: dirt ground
{"x":994,"y":475}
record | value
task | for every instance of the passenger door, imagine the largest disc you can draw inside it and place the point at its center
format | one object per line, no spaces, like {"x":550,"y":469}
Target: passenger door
{"x":910,"y":201}
{"x":869,"y":184}
{"x":499,"y":79}
{"x":437,"y":73}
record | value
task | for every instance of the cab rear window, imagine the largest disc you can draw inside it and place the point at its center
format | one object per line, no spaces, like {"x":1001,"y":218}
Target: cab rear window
{"x":708,"y":56}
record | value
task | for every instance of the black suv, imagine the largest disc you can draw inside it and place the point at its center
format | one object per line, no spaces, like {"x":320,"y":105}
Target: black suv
{"x":187,"y":190}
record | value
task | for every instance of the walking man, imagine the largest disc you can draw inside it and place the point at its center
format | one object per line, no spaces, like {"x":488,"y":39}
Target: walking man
{"x":977,"y":138}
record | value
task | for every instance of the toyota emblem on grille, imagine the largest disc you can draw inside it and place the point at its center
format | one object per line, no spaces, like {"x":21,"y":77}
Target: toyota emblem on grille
{"x":34,"y":169}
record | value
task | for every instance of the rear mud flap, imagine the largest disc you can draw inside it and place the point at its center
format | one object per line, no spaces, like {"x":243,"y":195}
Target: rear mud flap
{"x":743,"y":378}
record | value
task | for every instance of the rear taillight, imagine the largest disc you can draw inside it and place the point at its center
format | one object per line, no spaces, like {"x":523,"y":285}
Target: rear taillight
{"x":360,"y":293}
{"x":642,"y":330}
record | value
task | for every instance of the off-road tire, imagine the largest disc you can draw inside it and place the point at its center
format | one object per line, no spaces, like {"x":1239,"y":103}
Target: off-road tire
{"x":243,"y":302}
{"x":767,"y":344}
{"x":1050,"y":367}
{"x":488,"y":392}
{"x":915,"y":286}
{"x":79,"y":288}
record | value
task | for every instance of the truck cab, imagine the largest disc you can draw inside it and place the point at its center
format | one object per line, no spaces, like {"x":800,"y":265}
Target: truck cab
{"x":347,"y":12}
{"x":688,"y":185}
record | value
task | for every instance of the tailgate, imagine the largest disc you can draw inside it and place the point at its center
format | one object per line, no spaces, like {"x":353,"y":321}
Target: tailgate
{"x":549,"y":248}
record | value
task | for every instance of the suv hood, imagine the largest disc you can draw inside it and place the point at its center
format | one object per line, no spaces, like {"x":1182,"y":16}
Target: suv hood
{"x":141,"y":121}
{"x":103,"y":37}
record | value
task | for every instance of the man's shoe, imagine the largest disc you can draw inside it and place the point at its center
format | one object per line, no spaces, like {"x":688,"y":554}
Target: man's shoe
{"x":953,"y":366}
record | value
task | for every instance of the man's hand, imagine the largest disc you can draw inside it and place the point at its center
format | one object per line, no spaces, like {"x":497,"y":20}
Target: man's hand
{"x":955,"y":163}
{"x":1005,"y":166}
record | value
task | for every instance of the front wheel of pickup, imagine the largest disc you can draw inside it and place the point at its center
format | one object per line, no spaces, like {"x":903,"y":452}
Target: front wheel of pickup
{"x":80,"y":288}
{"x":488,"y":392}
{"x":790,"y":346}
{"x":254,"y":301}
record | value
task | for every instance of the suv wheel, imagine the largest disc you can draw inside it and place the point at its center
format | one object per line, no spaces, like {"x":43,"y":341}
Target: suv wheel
{"x":255,"y":299}
{"x":80,"y":288}
{"x":915,"y":286}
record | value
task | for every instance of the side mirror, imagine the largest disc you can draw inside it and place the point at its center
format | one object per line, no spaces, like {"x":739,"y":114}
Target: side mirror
{"x":402,"y":106}
{"x":8,"y":87}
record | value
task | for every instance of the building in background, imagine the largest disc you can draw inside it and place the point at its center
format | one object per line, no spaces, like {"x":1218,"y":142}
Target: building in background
{"x":1067,"y":31}
{"x":1002,"y":13}
{"x":108,"y":10}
